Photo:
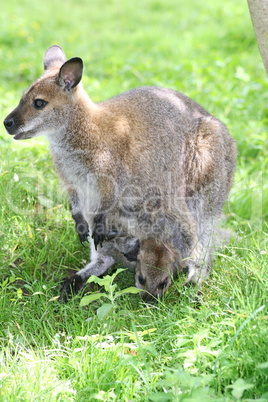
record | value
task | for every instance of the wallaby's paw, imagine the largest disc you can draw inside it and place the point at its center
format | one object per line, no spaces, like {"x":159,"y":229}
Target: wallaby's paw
{"x":197,"y":299}
{"x":70,"y":287}
{"x":99,"y":234}
{"x":82,"y":227}
{"x":83,"y":237}
{"x":132,"y":253}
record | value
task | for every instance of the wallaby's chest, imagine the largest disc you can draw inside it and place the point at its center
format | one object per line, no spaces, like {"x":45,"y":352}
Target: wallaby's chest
{"x":78,"y":179}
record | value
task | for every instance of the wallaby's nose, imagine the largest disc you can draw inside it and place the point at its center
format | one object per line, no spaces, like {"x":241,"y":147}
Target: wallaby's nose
{"x":148,"y":298}
{"x":8,"y":123}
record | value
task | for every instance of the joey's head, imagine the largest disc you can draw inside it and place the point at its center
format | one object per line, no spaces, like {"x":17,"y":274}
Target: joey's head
{"x":157,"y":265}
{"x":45,"y":107}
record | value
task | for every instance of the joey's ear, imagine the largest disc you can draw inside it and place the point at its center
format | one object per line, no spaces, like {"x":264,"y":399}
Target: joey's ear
{"x":174,"y":254}
{"x":71,"y":73}
{"x":54,"y":57}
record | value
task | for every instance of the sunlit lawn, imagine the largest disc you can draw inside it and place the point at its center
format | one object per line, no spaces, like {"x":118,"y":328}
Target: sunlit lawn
{"x":173,"y":351}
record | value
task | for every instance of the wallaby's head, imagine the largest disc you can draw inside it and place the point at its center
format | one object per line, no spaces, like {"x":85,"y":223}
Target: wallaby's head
{"x":157,"y":265}
{"x":45,"y":107}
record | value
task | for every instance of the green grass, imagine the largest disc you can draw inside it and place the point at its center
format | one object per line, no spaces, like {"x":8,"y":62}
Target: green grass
{"x":175,"y":351}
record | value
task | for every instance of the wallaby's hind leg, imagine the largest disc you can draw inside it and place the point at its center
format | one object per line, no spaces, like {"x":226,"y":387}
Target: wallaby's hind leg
{"x":198,"y":269}
{"x":199,"y":263}
{"x":98,"y":266}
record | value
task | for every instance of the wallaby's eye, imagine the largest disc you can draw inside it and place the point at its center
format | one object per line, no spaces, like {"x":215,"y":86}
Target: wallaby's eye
{"x":163,"y":284}
{"x":39,"y":103}
{"x":142,"y":280}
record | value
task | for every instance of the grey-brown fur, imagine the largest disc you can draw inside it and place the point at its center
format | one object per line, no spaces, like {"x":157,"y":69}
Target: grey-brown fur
{"x":157,"y":265}
{"x":150,"y":163}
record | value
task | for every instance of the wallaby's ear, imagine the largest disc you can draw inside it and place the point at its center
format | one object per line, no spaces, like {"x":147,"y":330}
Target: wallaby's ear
{"x":174,"y":254}
{"x":71,"y":73}
{"x":54,"y":57}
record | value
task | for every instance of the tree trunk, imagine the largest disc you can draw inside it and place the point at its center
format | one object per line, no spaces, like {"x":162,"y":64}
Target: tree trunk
{"x":259,"y":15}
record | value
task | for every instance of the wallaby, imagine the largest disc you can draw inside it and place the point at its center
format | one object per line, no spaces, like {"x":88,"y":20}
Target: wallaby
{"x":157,"y":264}
{"x":147,"y":164}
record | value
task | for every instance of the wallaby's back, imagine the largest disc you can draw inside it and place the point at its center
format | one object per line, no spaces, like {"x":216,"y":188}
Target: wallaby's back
{"x":160,"y":130}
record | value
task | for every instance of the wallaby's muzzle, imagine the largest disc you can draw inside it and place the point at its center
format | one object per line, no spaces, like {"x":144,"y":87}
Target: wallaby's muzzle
{"x":149,"y":298}
{"x":10,"y":124}
{"x":13,"y":125}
